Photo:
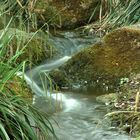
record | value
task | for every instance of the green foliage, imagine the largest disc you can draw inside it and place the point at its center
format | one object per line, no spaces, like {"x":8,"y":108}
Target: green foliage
{"x":32,"y":46}
{"x":116,"y":13}
{"x":19,"y":119}
{"x":20,"y":10}
{"x":123,"y":80}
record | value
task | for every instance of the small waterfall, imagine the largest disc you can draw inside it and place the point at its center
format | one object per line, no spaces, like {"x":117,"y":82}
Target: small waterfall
{"x":68,"y":43}
{"x":46,"y":67}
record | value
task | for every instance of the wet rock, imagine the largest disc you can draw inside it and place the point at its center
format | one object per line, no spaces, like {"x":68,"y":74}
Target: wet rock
{"x":105,"y":63}
{"x":32,"y":47}
{"x":59,"y":78}
{"x":107,"y":98}
{"x":66,"y":13}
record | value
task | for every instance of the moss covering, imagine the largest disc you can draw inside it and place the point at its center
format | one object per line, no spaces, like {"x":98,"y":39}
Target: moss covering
{"x":107,"y":98}
{"x":124,"y":45}
{"x":66,"y":13}
{"x":103,"y":64}
{"x":19,"y":87}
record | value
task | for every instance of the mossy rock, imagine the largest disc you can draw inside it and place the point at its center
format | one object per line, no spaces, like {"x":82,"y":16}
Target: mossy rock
{"x":123,"y":48}
{"x":103,"y":64}
{"x":66,"y":13}
{"x":91,"y":68}
{"x":33,"y":47}
{"x":19,"y":87}
{"x":107,"y":98}
{"x":58,"y":78}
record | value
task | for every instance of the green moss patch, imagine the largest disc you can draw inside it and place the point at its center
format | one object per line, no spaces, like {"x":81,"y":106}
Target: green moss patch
{"x":66,"y":14}
{"x":107,"y":98}
{"x":19,"y":87}
{"x":105,"y":63}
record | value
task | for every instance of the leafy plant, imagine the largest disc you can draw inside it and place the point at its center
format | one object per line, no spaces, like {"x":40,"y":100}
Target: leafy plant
{"x":19,"y":119}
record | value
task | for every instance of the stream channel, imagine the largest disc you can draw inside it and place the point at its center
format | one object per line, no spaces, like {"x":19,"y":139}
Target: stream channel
{"x":79,"y":115}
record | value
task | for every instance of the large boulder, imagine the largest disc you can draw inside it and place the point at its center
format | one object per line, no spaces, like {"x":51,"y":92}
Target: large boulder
{"x":67,"y":13}
{"x":105,"y":63}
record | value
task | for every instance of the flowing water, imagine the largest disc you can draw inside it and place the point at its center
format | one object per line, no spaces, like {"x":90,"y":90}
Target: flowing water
{"x":79,"y":116}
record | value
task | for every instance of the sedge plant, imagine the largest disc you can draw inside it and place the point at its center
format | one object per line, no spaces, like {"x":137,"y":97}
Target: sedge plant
{"x":19,"y":119}
{"x":114,"y":14}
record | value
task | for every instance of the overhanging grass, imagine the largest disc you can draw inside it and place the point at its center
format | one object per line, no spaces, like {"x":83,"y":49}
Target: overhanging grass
{"x":19,"y":120}
{"x":116,"y":13}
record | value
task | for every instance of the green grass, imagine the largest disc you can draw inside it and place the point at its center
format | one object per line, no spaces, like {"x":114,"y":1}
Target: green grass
{"x":19,"y":119}
{"x":23,"y":19}
{"x":122,"y":13}
{"x":116,"y":13}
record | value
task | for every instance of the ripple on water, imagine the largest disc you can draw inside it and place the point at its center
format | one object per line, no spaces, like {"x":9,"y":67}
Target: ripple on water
{"x":83,"y":120}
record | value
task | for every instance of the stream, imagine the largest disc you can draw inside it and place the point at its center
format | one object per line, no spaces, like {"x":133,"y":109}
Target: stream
{"x":79,"y":115}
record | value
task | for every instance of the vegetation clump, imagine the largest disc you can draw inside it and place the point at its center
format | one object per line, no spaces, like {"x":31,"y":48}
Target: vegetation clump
{"x":19,"y":87}
{"x":19,"y":119}
{"x":34,"y":47}
{"x":118,"y":13}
